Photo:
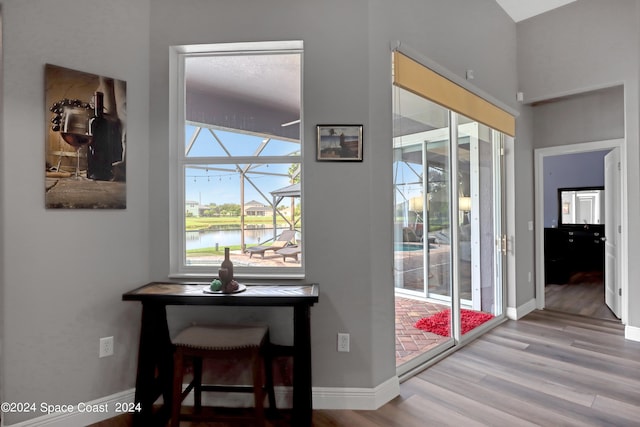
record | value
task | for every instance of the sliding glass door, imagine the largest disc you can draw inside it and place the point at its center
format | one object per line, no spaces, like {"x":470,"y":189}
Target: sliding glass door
{"x":448,"y":222}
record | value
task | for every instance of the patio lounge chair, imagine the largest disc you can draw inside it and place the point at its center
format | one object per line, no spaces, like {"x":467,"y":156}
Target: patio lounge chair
{"x":289,"y":252}
{"x":285,"y":238}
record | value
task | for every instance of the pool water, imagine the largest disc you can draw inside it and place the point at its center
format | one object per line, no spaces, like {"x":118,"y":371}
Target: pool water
{"x":407,"y":247}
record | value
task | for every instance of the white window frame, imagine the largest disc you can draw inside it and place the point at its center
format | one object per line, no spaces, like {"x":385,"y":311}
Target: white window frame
{"x":177,"y":161}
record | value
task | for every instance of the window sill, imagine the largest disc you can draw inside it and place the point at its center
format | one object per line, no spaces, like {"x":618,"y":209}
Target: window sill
{"x":241,"y":276}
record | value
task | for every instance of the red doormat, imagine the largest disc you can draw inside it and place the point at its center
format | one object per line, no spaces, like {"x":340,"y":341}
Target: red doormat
{"x":439,"y":323}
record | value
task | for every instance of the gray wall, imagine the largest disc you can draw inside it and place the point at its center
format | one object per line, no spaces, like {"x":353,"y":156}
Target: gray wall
{"x":64,"y":271}
{"x":584,"y":46}
{"x":569,"y":170}
{"x":591,"y":116}
{"x":2,"y":222}
{"x":522,"y":240}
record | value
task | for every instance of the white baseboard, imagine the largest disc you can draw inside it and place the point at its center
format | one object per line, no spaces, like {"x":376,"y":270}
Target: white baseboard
{"x":632,"y":333}
{"x":323,"y":398}
{"x":110,"y":403}
{"x":356,"y":398}
{"x":80,"y":416}
{"x":515,"y":313}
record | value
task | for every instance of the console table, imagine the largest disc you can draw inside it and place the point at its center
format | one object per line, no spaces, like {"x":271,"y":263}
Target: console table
{"x":155,"y":359}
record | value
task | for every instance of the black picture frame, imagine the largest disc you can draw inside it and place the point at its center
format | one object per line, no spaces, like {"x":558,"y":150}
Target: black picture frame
{"x":339,"y":143}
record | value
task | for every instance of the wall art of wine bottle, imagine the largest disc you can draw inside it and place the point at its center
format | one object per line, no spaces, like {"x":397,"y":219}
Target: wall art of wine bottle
{"x":85,"y":140}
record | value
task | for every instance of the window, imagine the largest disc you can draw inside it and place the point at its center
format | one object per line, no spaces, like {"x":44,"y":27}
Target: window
{"x":237,"y":159}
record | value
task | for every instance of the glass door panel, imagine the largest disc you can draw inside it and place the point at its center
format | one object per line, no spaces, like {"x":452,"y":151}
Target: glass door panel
{"x":478,"y":220}
{"x":422,"y":235}
{"x":421,"y":197}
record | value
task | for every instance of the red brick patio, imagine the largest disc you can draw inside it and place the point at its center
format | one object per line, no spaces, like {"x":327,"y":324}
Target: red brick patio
{"x":411,"y":341}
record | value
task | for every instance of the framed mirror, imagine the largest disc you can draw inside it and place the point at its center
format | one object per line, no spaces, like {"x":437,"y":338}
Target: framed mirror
{"x":581,"y":206}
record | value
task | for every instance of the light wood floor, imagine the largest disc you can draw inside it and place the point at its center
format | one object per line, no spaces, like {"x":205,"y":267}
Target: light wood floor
{"x":585,"y":298}
{"x":547,"y":369}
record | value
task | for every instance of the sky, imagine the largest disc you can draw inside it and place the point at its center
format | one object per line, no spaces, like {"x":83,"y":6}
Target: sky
{"x":220,"y":183}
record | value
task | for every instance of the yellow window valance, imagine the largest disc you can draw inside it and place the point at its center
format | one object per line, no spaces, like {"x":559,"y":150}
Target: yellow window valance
{"x":415,"y":77}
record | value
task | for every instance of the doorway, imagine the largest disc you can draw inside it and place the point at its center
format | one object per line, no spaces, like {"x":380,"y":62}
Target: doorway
{"x":563,"y":296}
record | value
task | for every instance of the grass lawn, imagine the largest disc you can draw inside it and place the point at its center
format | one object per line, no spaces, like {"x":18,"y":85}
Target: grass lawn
{"x":212,"y":250}
{"x":208,"y":223}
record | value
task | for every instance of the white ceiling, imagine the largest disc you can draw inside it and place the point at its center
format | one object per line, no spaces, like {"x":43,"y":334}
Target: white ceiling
{"x":519,"y":10}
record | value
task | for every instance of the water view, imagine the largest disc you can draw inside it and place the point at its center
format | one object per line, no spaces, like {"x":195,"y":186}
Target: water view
{"x":209,"y":239}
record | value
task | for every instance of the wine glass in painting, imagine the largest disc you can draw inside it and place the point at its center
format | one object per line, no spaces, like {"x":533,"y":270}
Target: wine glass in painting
{"x":74,"y":127}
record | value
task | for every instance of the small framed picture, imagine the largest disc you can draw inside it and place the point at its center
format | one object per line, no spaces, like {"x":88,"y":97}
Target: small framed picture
{"x":340,"y":143}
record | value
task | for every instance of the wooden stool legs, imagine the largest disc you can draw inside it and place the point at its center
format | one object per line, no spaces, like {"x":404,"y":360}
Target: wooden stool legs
{"x":258,"y":357}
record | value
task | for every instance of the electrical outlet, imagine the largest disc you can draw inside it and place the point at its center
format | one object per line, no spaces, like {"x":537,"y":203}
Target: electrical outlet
{"x":343,"y":342}
{"x":106,"y":347}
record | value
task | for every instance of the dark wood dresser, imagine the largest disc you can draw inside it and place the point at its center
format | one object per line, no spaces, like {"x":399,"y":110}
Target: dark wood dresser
{"x":569,"y":250}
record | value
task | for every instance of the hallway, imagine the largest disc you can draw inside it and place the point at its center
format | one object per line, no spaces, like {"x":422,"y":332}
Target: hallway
{"x":585,"y":299}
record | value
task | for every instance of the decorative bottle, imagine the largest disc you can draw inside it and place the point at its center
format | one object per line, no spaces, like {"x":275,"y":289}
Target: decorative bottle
{"x":99,"y":152}
{"x":226,"y":263}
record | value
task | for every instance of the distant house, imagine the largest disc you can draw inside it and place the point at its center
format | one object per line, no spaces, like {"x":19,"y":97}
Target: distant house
{"x":254,"y":208}
{"x":192,"y":208}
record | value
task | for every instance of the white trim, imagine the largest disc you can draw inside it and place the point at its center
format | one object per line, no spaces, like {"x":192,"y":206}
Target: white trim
{"x":356,"y":398}
{"x":283,"y":394}
{"x":204,"y":278}
{"x":76,"y":418}
{"x":509,"y":281}
{"x":570,"y":93}
{"x":244,"y":47}
{"x":539,"y":155}
{"x":323,"y":398}
{"x":632,"y":333}
{"x":516,"y":313}
{"x":178,"y":268}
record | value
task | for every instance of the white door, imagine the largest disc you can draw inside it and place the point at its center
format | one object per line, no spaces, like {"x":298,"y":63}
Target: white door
{"x":612,"y":224}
